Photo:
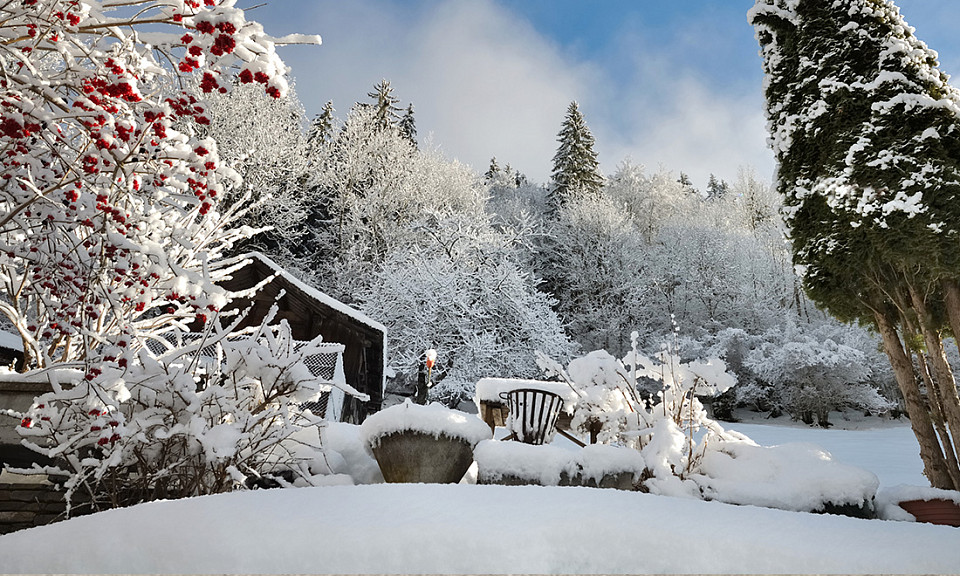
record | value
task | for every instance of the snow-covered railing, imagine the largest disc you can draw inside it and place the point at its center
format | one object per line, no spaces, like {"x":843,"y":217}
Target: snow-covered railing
{"x":326,"y":364}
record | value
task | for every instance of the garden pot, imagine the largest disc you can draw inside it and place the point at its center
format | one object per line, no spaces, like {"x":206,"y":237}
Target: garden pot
{"x":935,"y":511}
{"x":410,"y":456}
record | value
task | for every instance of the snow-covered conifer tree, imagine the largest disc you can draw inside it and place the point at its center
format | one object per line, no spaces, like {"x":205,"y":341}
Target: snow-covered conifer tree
{"x":321,"y":128}
{"x":576,"y":170}
{"x":408,"y":126}
{"x":864,"y":128}
{"x":386,"y":111}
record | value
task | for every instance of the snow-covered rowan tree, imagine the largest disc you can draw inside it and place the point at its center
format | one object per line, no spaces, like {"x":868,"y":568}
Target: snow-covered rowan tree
{"x":864,"y":128}
{"x":576,"y":170}
{"x":111,"y":215}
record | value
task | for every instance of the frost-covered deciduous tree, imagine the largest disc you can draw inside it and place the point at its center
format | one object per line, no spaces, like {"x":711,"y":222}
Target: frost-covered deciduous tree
{"x":864,"y":128}
{"x":262,"y":139}
{"x":463,"y":294}
{"x":376,"y":194}
{"x":600,"y":267}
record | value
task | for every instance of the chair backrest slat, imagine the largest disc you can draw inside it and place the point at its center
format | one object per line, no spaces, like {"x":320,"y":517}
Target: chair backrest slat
{"x":536,"y":411}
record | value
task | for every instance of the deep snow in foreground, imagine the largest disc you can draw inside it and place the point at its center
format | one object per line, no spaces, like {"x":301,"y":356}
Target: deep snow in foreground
{"x":420,"y":528}
{"x":498,"y":529}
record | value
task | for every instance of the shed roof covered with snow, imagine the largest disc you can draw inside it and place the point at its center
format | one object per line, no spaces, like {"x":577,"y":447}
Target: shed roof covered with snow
{"x":310,"y":313}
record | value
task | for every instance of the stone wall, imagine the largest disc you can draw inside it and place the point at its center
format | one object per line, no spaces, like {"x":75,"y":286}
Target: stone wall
{"x":24,"y":503}
{"x":28,"y":505}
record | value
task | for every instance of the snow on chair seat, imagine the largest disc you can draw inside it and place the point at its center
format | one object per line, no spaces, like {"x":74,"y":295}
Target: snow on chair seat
{"x":533,"y":414}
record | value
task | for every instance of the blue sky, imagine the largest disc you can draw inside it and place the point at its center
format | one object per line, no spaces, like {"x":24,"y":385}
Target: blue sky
{"x":672,"y":83}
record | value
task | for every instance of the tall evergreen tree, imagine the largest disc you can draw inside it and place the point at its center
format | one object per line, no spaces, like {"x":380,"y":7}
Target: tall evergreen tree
{"x":865,"y":130}
{"x":408,"y":126}
{"x":321,"y":127}
{"x":387,"y":113}
{"x":493,"y":171}
{"x":576,"y":170}
{"x":716,"y":189}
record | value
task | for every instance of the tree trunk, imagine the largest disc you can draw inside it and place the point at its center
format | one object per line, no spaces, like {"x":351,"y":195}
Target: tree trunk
{"x":936,"y":414}
{"x":934,"y":465}
{"x":951,"y":301}
{"x":942,"y":374}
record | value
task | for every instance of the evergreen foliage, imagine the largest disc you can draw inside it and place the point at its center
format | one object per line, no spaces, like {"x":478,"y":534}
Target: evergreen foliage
{"x":576,"y":170}
{"x":321,"y":128}
{"x":386,"y":112}
{"x":408,"y":126}
{"x":864,"y":129}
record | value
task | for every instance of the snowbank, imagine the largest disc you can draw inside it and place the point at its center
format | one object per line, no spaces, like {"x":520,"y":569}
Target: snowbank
{"x":441,"y":529}
{"x":434,"y":419}
{"x":797,"y":476}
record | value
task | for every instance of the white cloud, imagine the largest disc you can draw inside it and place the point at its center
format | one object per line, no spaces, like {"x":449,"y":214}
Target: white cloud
{"x":486,"y":83}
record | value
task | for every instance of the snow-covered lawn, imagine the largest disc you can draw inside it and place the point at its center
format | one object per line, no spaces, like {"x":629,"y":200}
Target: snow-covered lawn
{"x":886,"y":448}
{"x":496,"y":529}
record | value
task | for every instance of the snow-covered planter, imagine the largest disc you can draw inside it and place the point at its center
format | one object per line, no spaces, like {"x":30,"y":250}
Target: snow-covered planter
{"x":518,"y":464}
{"x":596,"y":466}
{"x":797,"y":476}
{"x":604,"y":466}
{"x":920,"y":504}
{"x":414,"y":443}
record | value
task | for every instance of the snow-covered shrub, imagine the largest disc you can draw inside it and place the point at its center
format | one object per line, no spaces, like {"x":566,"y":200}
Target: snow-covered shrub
{"x":813,"y":376}
{"x":799,"y":477}
{"x":180,"y":423}
{"x":672,"y":430}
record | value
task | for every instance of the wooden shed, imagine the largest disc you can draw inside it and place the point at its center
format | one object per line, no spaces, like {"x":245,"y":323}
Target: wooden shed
{"x":310,"y":313}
